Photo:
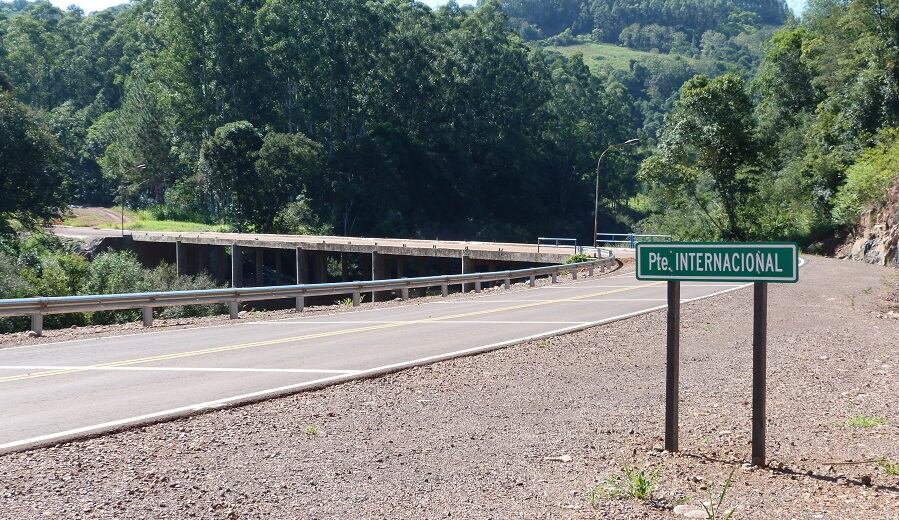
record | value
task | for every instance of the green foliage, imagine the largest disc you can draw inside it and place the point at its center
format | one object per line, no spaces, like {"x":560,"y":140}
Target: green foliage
{"x":868,"y":180}
{"x":165,"y":278}
{"x":256,"y":176}
{"x":704,"y":155}
{"x":633,"y":482}
{"x":577,"y":259}
{"x":32,"y":176}
{"x":43,"y":265}
{"x":714,"y":506}
{"x":887,"y":466}
{"x":864,"y":421}
{"x":608,"y":20}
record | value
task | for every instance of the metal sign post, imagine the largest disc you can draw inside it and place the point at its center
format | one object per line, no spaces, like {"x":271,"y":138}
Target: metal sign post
{"x":759,"y":362}
{"x":672,"y":367}
{"x":760,"y":264}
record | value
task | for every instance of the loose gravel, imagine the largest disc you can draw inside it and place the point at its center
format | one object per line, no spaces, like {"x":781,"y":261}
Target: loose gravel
{"x":531,"y":430}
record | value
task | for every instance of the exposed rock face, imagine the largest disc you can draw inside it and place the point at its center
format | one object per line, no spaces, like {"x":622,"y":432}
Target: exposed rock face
{"x":877,"y":237}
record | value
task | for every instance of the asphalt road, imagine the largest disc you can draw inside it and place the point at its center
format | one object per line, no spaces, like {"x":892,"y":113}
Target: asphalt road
{"x":58,"y":391}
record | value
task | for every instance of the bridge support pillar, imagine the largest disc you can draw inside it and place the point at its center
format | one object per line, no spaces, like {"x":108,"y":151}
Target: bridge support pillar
{"x":180,"y":258}
{"x":279,"y":265}
{"x":260,"y":264}
{"x":321,"y":267}
{"x":378,"y":271}
{"x":400,"y":266}
{"x":302,"y":266}
{"x":467,"y":268}
{"x":236,"y":266}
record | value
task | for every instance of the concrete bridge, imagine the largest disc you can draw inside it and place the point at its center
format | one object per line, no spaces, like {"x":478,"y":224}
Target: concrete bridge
{"x":244,"y":260}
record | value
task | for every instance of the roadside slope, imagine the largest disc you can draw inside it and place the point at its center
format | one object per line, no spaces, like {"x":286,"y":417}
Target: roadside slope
{"x":470,"y":436}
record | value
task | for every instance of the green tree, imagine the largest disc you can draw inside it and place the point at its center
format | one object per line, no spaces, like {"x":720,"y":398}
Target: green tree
{"x":705,"y":153}
{"x":32,"y":167}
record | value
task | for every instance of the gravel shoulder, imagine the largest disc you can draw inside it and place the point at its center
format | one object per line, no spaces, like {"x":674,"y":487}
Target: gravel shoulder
{"x":529,"y":431}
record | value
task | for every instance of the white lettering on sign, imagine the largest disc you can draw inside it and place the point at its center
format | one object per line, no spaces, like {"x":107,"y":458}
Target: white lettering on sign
{"x":758,"y":262}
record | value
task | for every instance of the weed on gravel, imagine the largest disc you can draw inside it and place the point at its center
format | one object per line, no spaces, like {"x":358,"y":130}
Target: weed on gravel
{"x":311,"y":430}
{"x":863,"y":421}
{"x":714,"y":509}
{"x":887,"y":466}
{"x":633,"y":482}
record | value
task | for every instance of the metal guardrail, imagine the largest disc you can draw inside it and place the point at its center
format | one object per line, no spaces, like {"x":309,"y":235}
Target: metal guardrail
{"x":558,"y":242}
{"x":37,"y":308}
{"x":628,"y":239}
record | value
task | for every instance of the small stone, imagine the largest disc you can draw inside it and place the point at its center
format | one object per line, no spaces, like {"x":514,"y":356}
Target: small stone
{"x":696,"y":513}
{"x":866,"y":480}
{"x":683,"y":509}
{"x":32,"y":334}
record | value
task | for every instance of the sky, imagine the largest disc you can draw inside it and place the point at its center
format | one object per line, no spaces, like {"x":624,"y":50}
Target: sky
{"x":96,"y":5}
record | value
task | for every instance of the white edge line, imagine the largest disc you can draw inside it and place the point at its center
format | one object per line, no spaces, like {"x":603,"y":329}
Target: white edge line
{"x":176,"y":369}
{"x":283,"y":391}
{"x":263,"y":321}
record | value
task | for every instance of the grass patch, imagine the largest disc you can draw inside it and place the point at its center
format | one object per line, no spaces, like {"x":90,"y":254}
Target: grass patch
{"x":605,"y":55}
{"x":887,"y":466}
{"x":633,"y":482}
{"x":863,"y":421}
{"x":110,"y":218}
{"x":714,"y":506}
{"x":311,"y":430}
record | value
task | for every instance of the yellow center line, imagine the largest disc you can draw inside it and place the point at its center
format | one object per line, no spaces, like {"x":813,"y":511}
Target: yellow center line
{"x":227,"y":348}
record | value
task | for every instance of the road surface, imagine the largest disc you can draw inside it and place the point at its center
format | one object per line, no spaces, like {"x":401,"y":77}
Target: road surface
{"x":58,"y":391}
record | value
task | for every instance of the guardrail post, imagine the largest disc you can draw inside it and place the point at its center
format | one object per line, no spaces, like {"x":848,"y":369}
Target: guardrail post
{"x":37,"y":324}
{"x":532,"y":281}
{"x":444,"y":290}
{"x":477,"y":286}
{"x":357,"y":299}
{"x":507,"y":283}
{"x":300,"y":303}
{"x":404,"y":292}
{"x":574,"y":274}
{"x":233,"y":309}
{"x":555,"y":277}
{"x":590,"y":270}
{"x":147,"y":316}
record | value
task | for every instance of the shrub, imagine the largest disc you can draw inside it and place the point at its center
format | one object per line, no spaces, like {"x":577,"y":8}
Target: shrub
{"x":577,"y":258}
{"x":115,"y":273}
{"x":165,"y":278}
{"x":868,"y":180}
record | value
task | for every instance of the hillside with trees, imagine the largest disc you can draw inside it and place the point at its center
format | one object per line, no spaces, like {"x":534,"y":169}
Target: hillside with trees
{"x":390,"y":118}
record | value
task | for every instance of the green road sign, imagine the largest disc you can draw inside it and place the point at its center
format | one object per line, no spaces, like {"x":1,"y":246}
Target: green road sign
{"x":718,"y":262}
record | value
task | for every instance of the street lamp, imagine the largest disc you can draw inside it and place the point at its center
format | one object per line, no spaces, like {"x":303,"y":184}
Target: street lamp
{"x":629,"y":142}
{"x":122,"y":195}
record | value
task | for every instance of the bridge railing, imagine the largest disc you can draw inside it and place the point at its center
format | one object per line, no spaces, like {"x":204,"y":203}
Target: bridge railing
{"x":628,"y":240}
{"x":558,"y":242}
{"x":37,"y":308}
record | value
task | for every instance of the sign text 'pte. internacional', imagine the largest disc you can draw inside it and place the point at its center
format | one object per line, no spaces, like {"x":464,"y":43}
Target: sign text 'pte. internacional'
{"x":718,"y":262}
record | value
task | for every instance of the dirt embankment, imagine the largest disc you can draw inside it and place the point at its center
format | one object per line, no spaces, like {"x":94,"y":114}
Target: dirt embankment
{"x":530,"y":431}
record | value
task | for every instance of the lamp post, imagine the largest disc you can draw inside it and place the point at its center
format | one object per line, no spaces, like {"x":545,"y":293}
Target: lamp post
{"x":629,"y":142}
{"x":122,"y":195}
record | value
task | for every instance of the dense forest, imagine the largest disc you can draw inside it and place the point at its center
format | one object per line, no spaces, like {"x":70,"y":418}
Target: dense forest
{"x":389,"y":118}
